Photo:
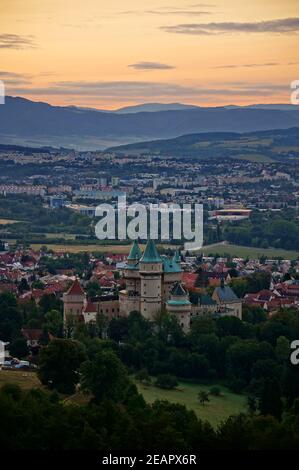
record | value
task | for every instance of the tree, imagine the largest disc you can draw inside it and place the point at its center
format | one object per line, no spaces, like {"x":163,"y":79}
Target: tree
{"x":251,"y":404}
{"x":50,"y":302}
{"x":282,"y":349}
{"x":53,"y":323}
{"x":93,"y":289}
{"x":166,"y":381}
{"x":104,"y":376}
{"x":270,"y":402}
{"x":203,"y":397}
{"x":59,"y":364}
{"x":18,"y":348}
{"x":118,"y":328}
{"x":11,"y":318}
{"x":143,"y":376}
{"x":215,"y":391}
{"x":254,"y":315}
{"x":291,"y":384}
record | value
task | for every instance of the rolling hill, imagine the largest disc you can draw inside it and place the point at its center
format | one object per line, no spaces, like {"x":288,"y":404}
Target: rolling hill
{"x":24,"y":122}
{"x":254,"y":146}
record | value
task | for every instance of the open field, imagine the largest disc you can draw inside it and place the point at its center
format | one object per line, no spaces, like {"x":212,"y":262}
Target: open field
{"x":65,"y":236}
{"x":218,"y":409}
{"x":24,"y":379}
{"x":113,"y":249}
{"x":251,"y":252}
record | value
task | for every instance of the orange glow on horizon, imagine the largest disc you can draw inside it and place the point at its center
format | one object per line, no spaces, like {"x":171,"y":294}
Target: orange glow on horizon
{"x":94,"y":54}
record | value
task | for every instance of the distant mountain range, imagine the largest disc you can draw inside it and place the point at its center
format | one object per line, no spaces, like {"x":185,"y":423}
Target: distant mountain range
{"x":25,"y":122}
{"x":261,"y":146}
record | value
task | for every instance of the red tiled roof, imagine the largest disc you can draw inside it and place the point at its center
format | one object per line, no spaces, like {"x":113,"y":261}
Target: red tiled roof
{"x":76,"y":289}
{"x":90,"y":307}
{"x":189,"y":279}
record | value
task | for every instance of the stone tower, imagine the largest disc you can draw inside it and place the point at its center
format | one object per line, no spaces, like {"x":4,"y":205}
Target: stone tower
{"x":180,"y":306}
{"x":129,"y":299}
{"x":73,"y":301}
{"x":150,"y":270}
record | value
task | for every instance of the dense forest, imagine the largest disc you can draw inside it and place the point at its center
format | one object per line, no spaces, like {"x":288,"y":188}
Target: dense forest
{"x":250,"y":357}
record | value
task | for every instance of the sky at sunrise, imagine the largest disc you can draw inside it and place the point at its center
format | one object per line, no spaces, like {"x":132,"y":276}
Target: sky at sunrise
{"x":109,"y":54}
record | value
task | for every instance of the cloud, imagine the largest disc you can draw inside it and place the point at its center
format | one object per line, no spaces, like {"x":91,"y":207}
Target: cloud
{"x":281,"y":26}
{"x":143,"y":90}
{"x":12,"y":78}
{"x":235,"y":66}
{"x":178,"y":12}
{"x":15,"y":41}
{"x":168,"y":11}
{"x":151,"y":66}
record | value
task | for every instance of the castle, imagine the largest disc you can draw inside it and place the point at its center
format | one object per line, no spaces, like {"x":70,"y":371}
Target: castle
{"x":153,"y":283}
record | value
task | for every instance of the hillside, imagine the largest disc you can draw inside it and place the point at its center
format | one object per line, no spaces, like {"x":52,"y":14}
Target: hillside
{"x":253,"y":146}
{"x":24,"y":122}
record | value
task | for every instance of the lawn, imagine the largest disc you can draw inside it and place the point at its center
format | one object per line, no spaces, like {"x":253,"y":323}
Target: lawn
{"x":26,"y":380}
{"x":218,"y":409}
{"x":249,"y":251}
{"x":112,"y":249}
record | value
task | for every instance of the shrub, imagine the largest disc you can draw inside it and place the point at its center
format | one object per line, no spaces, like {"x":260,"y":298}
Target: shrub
{"x":166,"y":381}
{"x":215,"y":391}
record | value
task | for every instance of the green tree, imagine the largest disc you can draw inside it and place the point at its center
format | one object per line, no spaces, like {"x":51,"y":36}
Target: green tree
{"x":270,"y":402}
{"x":59,"y":364}
{"x":166,"y":381}
{"x":104,"y":376}
{"x":18,"y":348}
{"x":53,"y":323}
{"x":203,"y":397}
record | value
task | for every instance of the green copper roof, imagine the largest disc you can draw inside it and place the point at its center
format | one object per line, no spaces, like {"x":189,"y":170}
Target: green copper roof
{"x":176,"y":257}
{"x":170,"y":266}
{"x":135,"y":252}
{"x":151,"y":254}
{"x":178,"y":290}
{"x":178,"y":302}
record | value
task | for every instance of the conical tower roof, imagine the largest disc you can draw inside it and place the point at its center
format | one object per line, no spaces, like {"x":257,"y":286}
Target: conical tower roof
{"x":135,"y":252}
{"x":151,"y":254}
{"x":178,"y":290}
{"x":75,"y":289}
{"x":176,"y":257}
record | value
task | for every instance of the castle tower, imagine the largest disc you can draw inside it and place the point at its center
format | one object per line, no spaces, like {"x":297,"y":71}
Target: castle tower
{"x":73,"y":300}
{"x":150,"y":270}
{"x":129,"y":299}
{"x":180,"y":306}
{"x":172,"y":273}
